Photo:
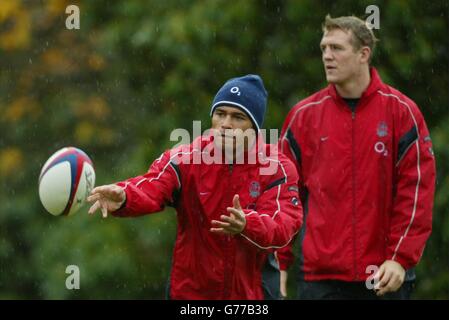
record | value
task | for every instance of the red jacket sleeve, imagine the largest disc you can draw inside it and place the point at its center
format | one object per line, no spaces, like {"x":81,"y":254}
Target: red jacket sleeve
{"x":151,"y":192}
{"x":279,"y":211}
{"x":288,"y":145}
{"x":411,"y":220}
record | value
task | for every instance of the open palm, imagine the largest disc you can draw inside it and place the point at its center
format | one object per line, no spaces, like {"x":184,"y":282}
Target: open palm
{"x":108,"y":198}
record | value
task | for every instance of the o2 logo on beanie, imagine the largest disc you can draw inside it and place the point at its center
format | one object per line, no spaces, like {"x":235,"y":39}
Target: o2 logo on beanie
{"x":236,"y":90}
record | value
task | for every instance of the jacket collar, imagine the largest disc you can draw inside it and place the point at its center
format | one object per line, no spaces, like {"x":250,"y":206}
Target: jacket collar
{"x":259,"y":151}
{"x":375,"y":84}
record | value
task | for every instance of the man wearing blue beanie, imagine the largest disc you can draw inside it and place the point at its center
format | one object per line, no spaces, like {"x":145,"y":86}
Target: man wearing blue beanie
{"x":237,"y":112}
{"x":231,"y":216}
{"x":246,"y":93}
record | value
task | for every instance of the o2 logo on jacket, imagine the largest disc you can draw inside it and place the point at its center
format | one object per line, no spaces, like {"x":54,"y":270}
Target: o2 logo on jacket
{"x":380,"y":147}
{"x":254,"y":189}
{"x":382,"y":131}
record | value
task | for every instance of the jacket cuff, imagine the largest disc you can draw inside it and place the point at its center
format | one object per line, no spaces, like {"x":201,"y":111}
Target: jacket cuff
{"x":253,"y":231}
{"x":403,"y":262}
{"x":123,"y":210}
{"x":401,"y":259}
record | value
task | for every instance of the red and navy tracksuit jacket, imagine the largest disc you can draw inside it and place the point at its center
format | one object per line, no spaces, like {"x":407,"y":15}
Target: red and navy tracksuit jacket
{"x":207,"y":265}
{"x":367,"y":180}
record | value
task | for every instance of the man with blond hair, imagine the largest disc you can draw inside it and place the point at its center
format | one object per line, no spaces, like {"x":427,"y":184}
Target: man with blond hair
{"x":367,"y":176}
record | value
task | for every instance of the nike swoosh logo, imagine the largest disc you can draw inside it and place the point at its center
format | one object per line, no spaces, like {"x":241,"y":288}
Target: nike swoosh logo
{"x":204,"y":193}
{"x":324,"y":138}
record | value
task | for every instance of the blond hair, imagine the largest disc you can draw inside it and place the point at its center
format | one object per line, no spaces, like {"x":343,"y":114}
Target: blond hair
{"x":361,"y":35}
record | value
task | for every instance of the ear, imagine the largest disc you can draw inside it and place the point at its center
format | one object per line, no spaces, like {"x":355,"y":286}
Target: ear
{"x":365,"y":54}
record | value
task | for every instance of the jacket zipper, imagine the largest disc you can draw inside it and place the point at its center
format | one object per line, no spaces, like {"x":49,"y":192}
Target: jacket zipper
{"x":353,"y":198}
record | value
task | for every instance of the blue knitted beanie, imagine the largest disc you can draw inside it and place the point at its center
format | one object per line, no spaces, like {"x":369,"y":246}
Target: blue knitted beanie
{"x":246,"y":93}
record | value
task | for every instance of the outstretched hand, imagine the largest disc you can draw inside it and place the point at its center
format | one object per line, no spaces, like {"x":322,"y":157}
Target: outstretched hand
{"x":234,"y":223}
{"x":108,"y":198}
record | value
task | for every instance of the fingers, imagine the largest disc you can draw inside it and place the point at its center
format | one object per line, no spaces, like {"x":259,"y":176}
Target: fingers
{"x":110,"y":191}
{"x":378,"y":276}
{"x":99,"y":205}
{"x":383,"y":291}
{"x":384,"y":281}
{"x":228,"y":225}
{"x":236,"y":202}
{"x":94,"y":207}
{"x":235,"y":220}
{"x":232,"y":224}
{"x":220,"y":224}
{"x":94,"y":197}
{"x":394,"y":283}
{"x":238,"y":214}
{"x":104,"y":211}
{"x":99,"y":189}
{"x":110,"y":197}
{"x":220,"y":227}
{"x":219,"y":231}
{"x":390,"y":277}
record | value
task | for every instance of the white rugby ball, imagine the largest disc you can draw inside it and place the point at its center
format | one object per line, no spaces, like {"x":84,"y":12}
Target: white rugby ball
{"x":65,"y":181}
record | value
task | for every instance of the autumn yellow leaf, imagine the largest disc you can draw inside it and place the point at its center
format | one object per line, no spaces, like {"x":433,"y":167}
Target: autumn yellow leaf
{"x":11,"y":160}
{"x":19,"y":108}
{"x":56,"y":61}
{"x":57,"y":7}
{"x":15,"y":24}
{"x":94,"y":107}
{"x":84,"y":133}
{"x":96,"y":62}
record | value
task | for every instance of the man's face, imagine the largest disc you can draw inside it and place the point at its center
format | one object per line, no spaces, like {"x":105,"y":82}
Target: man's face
{"x":230,"y":127}
{"x":341,"y":61}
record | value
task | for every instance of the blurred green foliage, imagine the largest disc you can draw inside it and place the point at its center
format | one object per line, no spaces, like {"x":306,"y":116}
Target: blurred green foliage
{"x":135,"y":71}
